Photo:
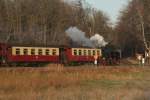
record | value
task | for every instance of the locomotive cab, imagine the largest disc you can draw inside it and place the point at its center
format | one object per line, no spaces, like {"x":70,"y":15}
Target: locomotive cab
{"x":112,"y":55}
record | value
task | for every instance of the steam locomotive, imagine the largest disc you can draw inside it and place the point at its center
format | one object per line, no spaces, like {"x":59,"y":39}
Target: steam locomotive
{"x":11,"y":54}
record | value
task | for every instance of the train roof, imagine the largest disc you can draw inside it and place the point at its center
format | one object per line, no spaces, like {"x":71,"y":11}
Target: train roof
{"x":53,"y":46}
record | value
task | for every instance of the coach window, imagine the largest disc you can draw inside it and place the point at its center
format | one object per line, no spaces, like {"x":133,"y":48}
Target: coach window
{"x":80,"y":52}
{"x":54,"y":51}
{"x":40,"y":51}
{"x":47,"y":52}
{"x":89,"y":52}
{"x":32,"y":51}
{"x":0,"y":48}
{"x":85,"y":53}
{"x":25,"y":51}
{"x":75,"y":52}
{"x":17,"y":51}
{"x":94,"y":52}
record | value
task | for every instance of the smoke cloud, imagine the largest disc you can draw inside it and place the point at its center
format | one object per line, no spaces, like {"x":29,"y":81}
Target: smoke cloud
{"x":79,"y":37}
{"x":98,"y":41}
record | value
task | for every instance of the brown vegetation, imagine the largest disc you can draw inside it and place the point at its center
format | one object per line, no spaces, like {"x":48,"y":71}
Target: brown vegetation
{"x":84,"y":83}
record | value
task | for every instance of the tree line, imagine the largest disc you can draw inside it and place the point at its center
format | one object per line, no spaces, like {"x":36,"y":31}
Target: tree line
{"x":44,"y":22}
{"x":133,"y":28}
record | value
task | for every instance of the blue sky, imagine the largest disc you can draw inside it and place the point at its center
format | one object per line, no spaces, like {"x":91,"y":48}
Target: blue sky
{"x":111,"y":7}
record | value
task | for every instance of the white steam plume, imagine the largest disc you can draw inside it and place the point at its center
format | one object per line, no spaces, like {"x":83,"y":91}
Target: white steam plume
{"x":79,"y":37}
{"x":98,"y":40}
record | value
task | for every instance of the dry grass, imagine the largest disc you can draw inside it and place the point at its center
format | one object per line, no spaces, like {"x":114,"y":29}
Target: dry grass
{"x":75,"y":83}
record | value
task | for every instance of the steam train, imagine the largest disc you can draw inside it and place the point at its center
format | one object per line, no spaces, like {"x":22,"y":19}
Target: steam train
{"x":10,"y":54}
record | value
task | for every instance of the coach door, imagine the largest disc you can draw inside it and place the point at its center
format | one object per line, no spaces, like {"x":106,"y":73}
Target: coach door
{"x":3,"y":53}
{"x":63,"y":56}
{"x":0,"y":54}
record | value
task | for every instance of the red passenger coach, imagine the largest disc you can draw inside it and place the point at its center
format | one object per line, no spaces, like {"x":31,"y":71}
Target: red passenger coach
{"x":82,"y":54}
{"x":26,"y":54}
{"x":33,"y":54}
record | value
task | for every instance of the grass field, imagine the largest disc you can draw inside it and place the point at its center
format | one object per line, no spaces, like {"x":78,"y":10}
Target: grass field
{"x":75,"y":83}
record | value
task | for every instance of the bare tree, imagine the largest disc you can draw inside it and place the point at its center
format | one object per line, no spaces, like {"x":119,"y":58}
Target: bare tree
{"x":44,"y":21}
